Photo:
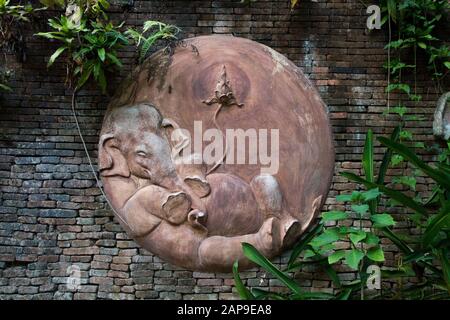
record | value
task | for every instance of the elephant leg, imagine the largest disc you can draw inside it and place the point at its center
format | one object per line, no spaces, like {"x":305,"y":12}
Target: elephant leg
{"x":267,"y":194}
{"x":220,"y":252}
{"x":270,"y":200}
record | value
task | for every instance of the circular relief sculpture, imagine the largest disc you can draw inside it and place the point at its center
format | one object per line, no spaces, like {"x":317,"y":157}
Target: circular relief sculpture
{"x":213,"y":142}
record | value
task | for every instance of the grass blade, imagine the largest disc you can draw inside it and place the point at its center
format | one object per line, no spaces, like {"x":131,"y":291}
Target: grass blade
{"x":244,"y":293}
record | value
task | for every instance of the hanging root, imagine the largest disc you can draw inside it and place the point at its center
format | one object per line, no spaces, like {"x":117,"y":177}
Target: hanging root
{"x":74,"y":94}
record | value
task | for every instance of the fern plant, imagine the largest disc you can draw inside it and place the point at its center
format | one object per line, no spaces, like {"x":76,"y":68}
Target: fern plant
{"x":152,"y":31}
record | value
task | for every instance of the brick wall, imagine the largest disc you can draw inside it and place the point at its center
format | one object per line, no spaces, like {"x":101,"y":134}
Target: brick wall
{"x":53,"y":217}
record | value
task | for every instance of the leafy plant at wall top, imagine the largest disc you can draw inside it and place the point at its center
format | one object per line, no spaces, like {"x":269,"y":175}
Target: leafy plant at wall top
{"x":11,"y":19}
{"x":91,"y":48}
{"x":89,"y":41}
{"x":152,"y":31}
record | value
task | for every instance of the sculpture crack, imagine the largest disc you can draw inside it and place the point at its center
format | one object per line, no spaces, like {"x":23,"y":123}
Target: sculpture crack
{"x":224,"y":97}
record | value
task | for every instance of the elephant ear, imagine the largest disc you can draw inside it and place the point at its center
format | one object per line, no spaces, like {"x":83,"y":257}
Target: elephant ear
{"x":110,"y":159}
{"x":178,"y":138}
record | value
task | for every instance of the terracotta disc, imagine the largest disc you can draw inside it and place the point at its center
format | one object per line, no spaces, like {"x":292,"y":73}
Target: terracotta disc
{"x":268,"y":92}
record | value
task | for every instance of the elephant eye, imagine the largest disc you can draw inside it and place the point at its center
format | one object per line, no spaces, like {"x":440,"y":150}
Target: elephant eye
{"x":141,"y":153}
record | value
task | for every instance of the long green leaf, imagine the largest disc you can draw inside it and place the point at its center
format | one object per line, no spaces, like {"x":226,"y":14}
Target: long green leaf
{"x":240,"y":287}
{"x":439,"y":176}
{"x":368,"y":165}
{"x":55,"y":55}
{"x":394,"y":194}
{"x":85,"y":75}
{"x":397,"y":241}
{"x":443,"y":255}
{"x":263,"y":295}
{"x":392,"y":9}
{"x":251,"y":253}
{"x":387,"y":157}
{"x":367,"y":162}
{"x":344,"y":294}
{"x":436,"y":225}
{"x":312,"y":296}
{"x":332,"y":274}
{"x":301,"y":245}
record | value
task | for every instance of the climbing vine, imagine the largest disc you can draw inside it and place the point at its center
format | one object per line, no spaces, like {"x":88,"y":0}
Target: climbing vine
{"x":413,"y":27}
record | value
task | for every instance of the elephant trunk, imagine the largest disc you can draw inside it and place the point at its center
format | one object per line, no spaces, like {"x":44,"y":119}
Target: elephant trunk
{"x":175,"y":184}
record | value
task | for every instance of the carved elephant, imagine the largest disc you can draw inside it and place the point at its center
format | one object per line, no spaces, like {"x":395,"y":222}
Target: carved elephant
{"x":174,"y":209}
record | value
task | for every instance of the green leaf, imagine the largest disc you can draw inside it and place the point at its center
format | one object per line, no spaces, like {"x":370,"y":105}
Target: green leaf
{"x":382,"y":220}
{"x":344,"y":294}
{"x":392,"y":9}
{"x":328,"y":236}
{"x":406,"y":135}
{"x":353,"y":258}
{"x":440,"y":177}
{"x":371,"y":239}
{"x":436,"y":225}
{"x":240,"y":287}
{"x":375,"y":254}
{"x":367,"y":162}
{"x":399,"y":86}
{"x":334,"y":216}
{"x":360,"y":209}
{"x":113,"y":58}
{"x":4,"y":87}
{"x":332,"y":274}
{"x":368,"y":156}
{"x":394,"y":194}
{"x":407,"y":181}
{"x":387,"y":157}
{"x":251,"y":253}
{"x":422,"y":45}
{"x":101,"y":54}
{"x":312,"y":296}
{"x":447,"y":64}
{"x":303,"y":243}
{"x":336,"y":256}
{"x":55,"y":55}
{"x":264,"y":295}
{"x":445,"y":262}
{"x":396,"y":159}
{"x":403,"y":246}
{"x":371,"y":194}
{"x":355,"y":238}
{"x":344,"y":198}
{"x":86,"y":73}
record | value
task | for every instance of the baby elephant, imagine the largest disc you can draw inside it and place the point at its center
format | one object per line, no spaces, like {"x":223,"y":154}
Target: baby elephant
{"x":176,"y":211}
